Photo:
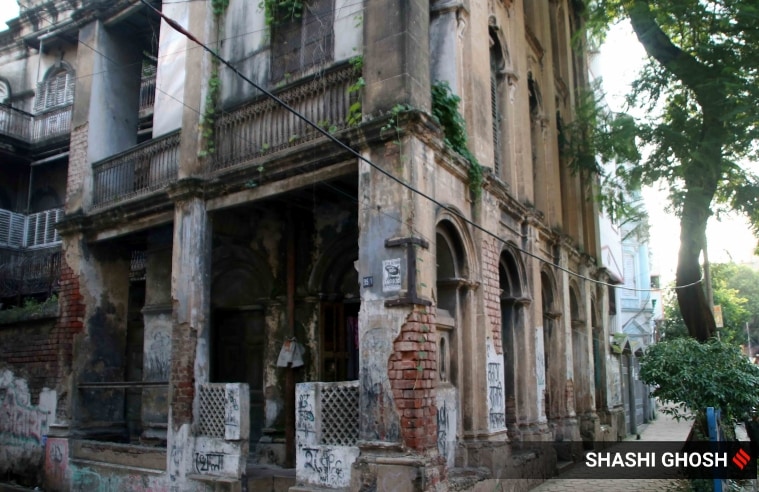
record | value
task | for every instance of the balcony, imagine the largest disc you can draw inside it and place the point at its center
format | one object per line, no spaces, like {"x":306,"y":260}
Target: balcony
{"x":263,"y":127}
{"x":139,"y":171}
{"x":35,"y":128}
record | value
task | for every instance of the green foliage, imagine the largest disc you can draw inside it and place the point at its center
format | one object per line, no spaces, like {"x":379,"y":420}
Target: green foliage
{"x":698,"y":95}
{"x":354,"y":117}
{"x":277,"y":11}
{"x":208,"y":118}
{"x":736,"y":290}
{"x":445,"y":109}
{"x":696,"y":375}
{"x":219,"y":6}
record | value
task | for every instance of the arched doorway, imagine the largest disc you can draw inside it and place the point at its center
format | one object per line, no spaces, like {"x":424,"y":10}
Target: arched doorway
{"x":512,"y":335}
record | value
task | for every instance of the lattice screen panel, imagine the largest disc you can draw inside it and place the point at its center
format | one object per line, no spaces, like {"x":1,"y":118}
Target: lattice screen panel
{"x":211,"y":419}
{"x":339,"y":412}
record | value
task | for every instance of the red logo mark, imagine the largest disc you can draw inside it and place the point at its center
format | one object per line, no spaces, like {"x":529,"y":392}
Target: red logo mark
{"x":741,"y":459}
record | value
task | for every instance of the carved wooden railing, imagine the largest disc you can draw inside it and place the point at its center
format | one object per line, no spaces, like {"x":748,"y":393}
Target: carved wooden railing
{"x":262,"y":127}
{"x":143,"y":169}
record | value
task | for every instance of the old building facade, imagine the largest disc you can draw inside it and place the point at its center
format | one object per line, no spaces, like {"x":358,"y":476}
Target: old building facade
{"x":356,"y":299}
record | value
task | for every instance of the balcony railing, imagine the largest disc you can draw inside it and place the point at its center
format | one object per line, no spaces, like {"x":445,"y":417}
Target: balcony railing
{"x":29,"y":231}
{"x":15,"y":123}
{"x":263,"y":127}
{"x":147,"y":94}
{"x":138,"y":171}
{"x":31,"y":271}
{"x":33,"y":128}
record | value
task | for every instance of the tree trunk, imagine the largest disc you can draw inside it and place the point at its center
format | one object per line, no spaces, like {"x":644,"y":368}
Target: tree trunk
{"x":694,"y":306}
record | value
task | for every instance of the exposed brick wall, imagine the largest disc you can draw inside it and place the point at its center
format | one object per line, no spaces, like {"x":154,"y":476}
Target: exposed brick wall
{"x":412,"y":371}
{"x":492,"y":290}
{"x":182,"y":389}
{"x":70,"y":322}
{"x":77,"y":163}
{"x":29,"y":347}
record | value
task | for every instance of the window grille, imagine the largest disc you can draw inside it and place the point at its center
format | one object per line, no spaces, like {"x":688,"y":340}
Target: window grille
{"x":339,"y":412}
{"x":212,"y":410}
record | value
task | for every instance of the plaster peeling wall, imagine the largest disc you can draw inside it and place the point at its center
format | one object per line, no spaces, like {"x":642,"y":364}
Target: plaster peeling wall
{"x":348,"y":29}
{"x":615,"y":380}
{"x":496,"y":396}
{"x":317,"y":464}
{"x":23,"y":426}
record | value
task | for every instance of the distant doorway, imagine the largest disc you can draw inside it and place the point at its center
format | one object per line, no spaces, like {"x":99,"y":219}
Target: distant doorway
{"x":238,"y":342}
{"x":338,"y":328}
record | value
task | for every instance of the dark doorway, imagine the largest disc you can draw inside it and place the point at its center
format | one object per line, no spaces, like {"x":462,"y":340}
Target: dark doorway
{"x":237,"y":355}
{"x":338,"y":328}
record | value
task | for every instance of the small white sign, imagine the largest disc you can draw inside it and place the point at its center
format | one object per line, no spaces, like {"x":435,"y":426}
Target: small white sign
{"x":391,"y":275}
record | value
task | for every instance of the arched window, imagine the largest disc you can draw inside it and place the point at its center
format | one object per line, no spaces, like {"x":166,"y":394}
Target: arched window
{"x":497,"y":65}
{"x":5,"y":91}
{"x":56,"y":90}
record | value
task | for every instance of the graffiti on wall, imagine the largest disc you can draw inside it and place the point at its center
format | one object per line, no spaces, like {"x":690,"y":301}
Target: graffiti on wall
{"x":208,"y":462}
{"x":56,"y":463}
{"x":305,"y":418}
{"x":325,"y":463}
{"x":21,"y":422}
{"x":496,"y":398}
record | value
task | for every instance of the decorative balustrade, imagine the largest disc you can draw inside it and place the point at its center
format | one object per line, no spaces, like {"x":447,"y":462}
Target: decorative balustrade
{"x":263,"y":127}
{"x":143,"y":169}
{"x":52,"y":123}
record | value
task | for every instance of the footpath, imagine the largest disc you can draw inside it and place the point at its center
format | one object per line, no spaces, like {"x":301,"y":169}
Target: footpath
{"x":663,"y":428}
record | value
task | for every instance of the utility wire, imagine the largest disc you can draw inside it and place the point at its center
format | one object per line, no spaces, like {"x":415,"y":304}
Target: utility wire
{"x":176,"y":26}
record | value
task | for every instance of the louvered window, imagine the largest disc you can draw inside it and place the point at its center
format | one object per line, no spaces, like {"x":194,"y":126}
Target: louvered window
{"x":56,"y":90}
{"x":496,"y":111}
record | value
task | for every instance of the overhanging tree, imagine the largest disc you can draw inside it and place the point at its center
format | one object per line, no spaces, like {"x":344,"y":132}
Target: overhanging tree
{"x":700,"y":87}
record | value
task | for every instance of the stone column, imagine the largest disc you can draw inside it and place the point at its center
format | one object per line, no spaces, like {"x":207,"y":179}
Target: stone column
{"x":397,"y":426}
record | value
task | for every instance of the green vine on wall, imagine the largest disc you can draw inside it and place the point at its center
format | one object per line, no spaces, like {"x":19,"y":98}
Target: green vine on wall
{"x":276,"y":11}
{"x":208,"y":118}
{"x":445,"y":109}
{"x":354,"y":111}
{"x":219,"y":6}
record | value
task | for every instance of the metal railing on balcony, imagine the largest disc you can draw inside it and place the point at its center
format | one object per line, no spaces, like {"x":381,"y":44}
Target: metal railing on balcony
{"x":143,"y":169}
{"x":24,"y":272}
{"x":263,"y":127}
{"x":147,"y":94}
{"x":15,"y":123}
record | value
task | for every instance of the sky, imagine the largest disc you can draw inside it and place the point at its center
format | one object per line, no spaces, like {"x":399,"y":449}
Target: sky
{"x":621,"y":56}
{"x":8,"y":10}
{"x":729,"y":239}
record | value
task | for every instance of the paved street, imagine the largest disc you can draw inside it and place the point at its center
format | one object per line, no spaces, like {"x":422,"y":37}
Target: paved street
{"x":664,"y":428}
